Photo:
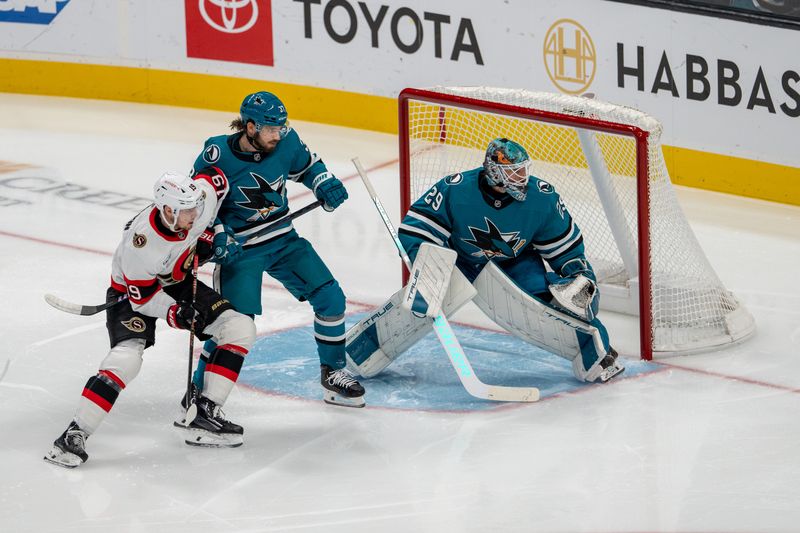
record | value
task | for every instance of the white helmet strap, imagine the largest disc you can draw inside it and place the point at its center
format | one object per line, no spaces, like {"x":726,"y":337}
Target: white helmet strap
{"x":173,"y":226}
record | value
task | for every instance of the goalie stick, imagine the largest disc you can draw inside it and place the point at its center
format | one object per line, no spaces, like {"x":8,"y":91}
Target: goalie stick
{"x":444,"y":331}
{"x":88,"y":310}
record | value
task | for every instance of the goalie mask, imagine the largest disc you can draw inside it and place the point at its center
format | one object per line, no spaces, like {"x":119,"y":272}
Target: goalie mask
{"x":265,"y":109}
{"x":179,"y":193}
{"x":507,"y":165}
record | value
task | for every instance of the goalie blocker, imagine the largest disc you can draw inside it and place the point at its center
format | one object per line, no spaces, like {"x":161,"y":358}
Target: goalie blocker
{"x":391,"y":329}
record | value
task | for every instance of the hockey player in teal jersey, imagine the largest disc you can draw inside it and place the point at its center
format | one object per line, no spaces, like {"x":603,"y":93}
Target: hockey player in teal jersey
{"x":501,"y":214}
{"x":259,"y":159}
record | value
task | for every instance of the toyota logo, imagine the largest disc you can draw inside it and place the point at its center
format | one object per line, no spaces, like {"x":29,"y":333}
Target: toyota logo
{"x":227,"y":19}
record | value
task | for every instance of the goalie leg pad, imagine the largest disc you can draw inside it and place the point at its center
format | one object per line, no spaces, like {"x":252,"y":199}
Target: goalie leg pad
{"x":429,"y":280}
{"x":390,"y":330}
{"x":536,"y":322}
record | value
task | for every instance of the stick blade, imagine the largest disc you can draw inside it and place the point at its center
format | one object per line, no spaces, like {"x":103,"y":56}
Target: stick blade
{"x":63,"y":305}
{"x":191,"y":414}
{"x":512,"y":394}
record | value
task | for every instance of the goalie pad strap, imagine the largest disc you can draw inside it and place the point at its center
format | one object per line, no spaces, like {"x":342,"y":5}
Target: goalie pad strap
{"x":429,"y":280}
{"x":388,"y":331}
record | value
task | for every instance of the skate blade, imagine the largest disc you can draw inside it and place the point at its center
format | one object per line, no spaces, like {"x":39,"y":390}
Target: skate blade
{"x":62,"y":458}
{"x":335,"y":399}
{"x":610,"y":373}
{"x":207,"y":439}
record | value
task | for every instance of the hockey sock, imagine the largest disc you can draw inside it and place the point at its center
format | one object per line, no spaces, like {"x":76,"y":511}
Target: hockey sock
{"x":330,"y":336}
{"x":199,"y":373}
{"x":222,"y":371}
{"x":97,"y":399}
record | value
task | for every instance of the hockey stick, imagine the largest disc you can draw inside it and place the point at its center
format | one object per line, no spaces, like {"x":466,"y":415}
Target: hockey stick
{"x":447,"y":337}
{"x":191,"y":412}
{"x":88,"y":310}
{"x":78,"y":309}
{"x":291,"y":216}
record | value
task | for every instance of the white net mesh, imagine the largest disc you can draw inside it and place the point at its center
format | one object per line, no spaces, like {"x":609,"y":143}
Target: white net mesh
{"x":595,"y":173}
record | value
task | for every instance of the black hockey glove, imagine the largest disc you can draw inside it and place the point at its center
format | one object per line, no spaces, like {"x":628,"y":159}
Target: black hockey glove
{"x":180,"y":316}
{"x":205,"y":247}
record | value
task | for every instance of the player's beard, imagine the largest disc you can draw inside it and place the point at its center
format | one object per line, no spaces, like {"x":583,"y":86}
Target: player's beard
{"x":256,"y":143}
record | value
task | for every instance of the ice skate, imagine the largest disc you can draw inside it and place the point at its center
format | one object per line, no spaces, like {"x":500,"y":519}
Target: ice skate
{"x":612,"y":365}
{"x":210,"y":429}
{"x":341,"y":388}
{"x":69,"y":450}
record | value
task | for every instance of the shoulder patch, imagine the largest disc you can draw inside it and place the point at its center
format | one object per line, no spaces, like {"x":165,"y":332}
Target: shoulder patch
{"x":139,"y":240}
{"x":211,"y":154}
{"x":544,"y":187}
{"x":455,"y":179}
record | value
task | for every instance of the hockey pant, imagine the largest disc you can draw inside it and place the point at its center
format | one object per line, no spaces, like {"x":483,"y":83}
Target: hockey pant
{"x":300,"y":269}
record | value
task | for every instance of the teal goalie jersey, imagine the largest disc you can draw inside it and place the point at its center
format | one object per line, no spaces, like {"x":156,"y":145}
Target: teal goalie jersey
{"x":465,"y":213}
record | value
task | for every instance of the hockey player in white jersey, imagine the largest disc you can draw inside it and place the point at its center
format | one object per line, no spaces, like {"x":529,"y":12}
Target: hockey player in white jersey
{"x":151,"y":276}
{"x":485,"y":235}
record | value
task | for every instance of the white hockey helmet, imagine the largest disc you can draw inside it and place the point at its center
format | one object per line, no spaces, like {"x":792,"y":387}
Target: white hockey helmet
{"x":179,"y":193}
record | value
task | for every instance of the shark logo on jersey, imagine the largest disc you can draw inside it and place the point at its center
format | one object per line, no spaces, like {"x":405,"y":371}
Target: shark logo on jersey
{"x":492,"y":243}
{"x":211,"y":154}
{"x":265,"y":198}
{"x":544,"y":187}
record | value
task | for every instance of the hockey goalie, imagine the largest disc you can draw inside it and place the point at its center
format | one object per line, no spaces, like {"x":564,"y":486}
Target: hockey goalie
{"x":504,"y":239}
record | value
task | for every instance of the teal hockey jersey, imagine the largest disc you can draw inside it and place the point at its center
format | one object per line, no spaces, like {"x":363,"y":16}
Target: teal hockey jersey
{"x":257,"y":181}
{"x":465,"y":213}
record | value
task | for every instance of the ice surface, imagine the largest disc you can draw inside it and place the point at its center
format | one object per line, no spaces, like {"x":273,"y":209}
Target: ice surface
{"x":699,"y":443}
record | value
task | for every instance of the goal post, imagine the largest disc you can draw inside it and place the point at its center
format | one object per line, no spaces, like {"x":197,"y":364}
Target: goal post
{"x":605,"y":160}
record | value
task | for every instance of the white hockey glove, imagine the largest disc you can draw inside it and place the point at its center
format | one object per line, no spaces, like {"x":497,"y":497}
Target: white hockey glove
{"x":429,"y":280}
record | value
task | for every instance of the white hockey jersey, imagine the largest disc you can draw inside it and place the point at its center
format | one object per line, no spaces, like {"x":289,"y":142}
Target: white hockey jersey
{"x":151,"y":256}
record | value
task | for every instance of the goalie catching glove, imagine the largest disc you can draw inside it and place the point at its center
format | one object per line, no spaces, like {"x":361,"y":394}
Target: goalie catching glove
{"x":575,"y":289}
{"x":429,"y":280}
